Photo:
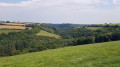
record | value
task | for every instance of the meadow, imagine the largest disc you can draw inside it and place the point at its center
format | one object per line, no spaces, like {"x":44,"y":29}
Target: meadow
{"x":14,"y":24}
{"x":44,"y":33}
{"x":95,"y":28}
{"x":115,"y":24}
{"x":7,"y":31}
{"x":91,"y":28}
{"x":109,"y":24}
{"x":12,"y":27}
{"x":92,"y":55}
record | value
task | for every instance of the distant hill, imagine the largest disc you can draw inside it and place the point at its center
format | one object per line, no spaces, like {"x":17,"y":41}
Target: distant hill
{"x":67,"y":26}
{"x":91,"y":55}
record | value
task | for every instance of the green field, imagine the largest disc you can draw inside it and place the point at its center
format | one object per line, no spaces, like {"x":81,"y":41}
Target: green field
{"x":44,"y":33}
{"x":91,"y":55}
{"x":109,"y":24}
{"x":115,"y":24}
{"x":7,"y":31}
{"x":95,"y":28}
{"x":92,"y":28}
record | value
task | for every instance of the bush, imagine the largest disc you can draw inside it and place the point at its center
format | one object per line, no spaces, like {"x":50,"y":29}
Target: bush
{"x":90,"y":40}
{"x":81,"y":40}
{"x":25,"y":51}
{"x":33,"y":50}
{"x":16,"y":52}
{"x":41,"y":47}
{"x":103,"y":38}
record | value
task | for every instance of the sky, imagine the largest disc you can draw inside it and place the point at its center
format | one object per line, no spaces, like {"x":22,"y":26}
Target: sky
{"x":61,"y":11}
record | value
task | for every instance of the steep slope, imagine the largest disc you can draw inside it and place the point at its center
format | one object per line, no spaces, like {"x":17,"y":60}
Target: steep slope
{"x":91,"y":55}
{"x":44,"y":33}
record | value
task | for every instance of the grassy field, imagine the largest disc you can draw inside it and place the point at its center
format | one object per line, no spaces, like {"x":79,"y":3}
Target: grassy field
{"x":92,"y":28}
{"x":12,"y":27}
{"x":14,"y":24}
{"x":91,"y":55}
{"x":44,"y":33}
{"x":115,"y":24}
{"x":109,"y":24}
{"x":7,"y":31}
{"x":95,"y":28}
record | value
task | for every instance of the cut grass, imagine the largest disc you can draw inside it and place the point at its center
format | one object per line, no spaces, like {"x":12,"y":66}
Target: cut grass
{"x":95,"y":28}
{"x":13,"y":27}
{"x":14,"y":24}
{"x":44,"y":33}
{"x":7,"y":31}
{"x":91,"y":55}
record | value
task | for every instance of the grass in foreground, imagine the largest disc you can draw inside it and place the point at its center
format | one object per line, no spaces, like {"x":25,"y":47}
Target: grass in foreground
{"x":7,"y":31}
{"x":91,"y":55}
{"x":44,"y":33}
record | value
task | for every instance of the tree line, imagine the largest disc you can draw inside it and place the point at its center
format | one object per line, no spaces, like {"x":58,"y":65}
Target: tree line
{"x":26,"y":41}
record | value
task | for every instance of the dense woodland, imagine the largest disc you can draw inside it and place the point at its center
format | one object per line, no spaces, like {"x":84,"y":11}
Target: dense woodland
{"x":26,"y":41}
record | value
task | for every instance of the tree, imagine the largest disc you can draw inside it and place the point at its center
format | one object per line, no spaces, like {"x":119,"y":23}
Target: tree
{"x":116,"y":26}
{"x":7,"y":21}
{"x":115,"y":36}
{"x":81,"y":40}
{"x":103,"y":38}
{"x":90,"y":40}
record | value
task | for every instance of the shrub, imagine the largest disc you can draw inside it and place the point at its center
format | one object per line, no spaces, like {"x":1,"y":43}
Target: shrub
{"x":33,"y":50}
{"x":16,"y":52}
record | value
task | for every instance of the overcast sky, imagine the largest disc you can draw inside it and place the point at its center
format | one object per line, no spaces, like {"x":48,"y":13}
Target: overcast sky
{"x":61,"y":11}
